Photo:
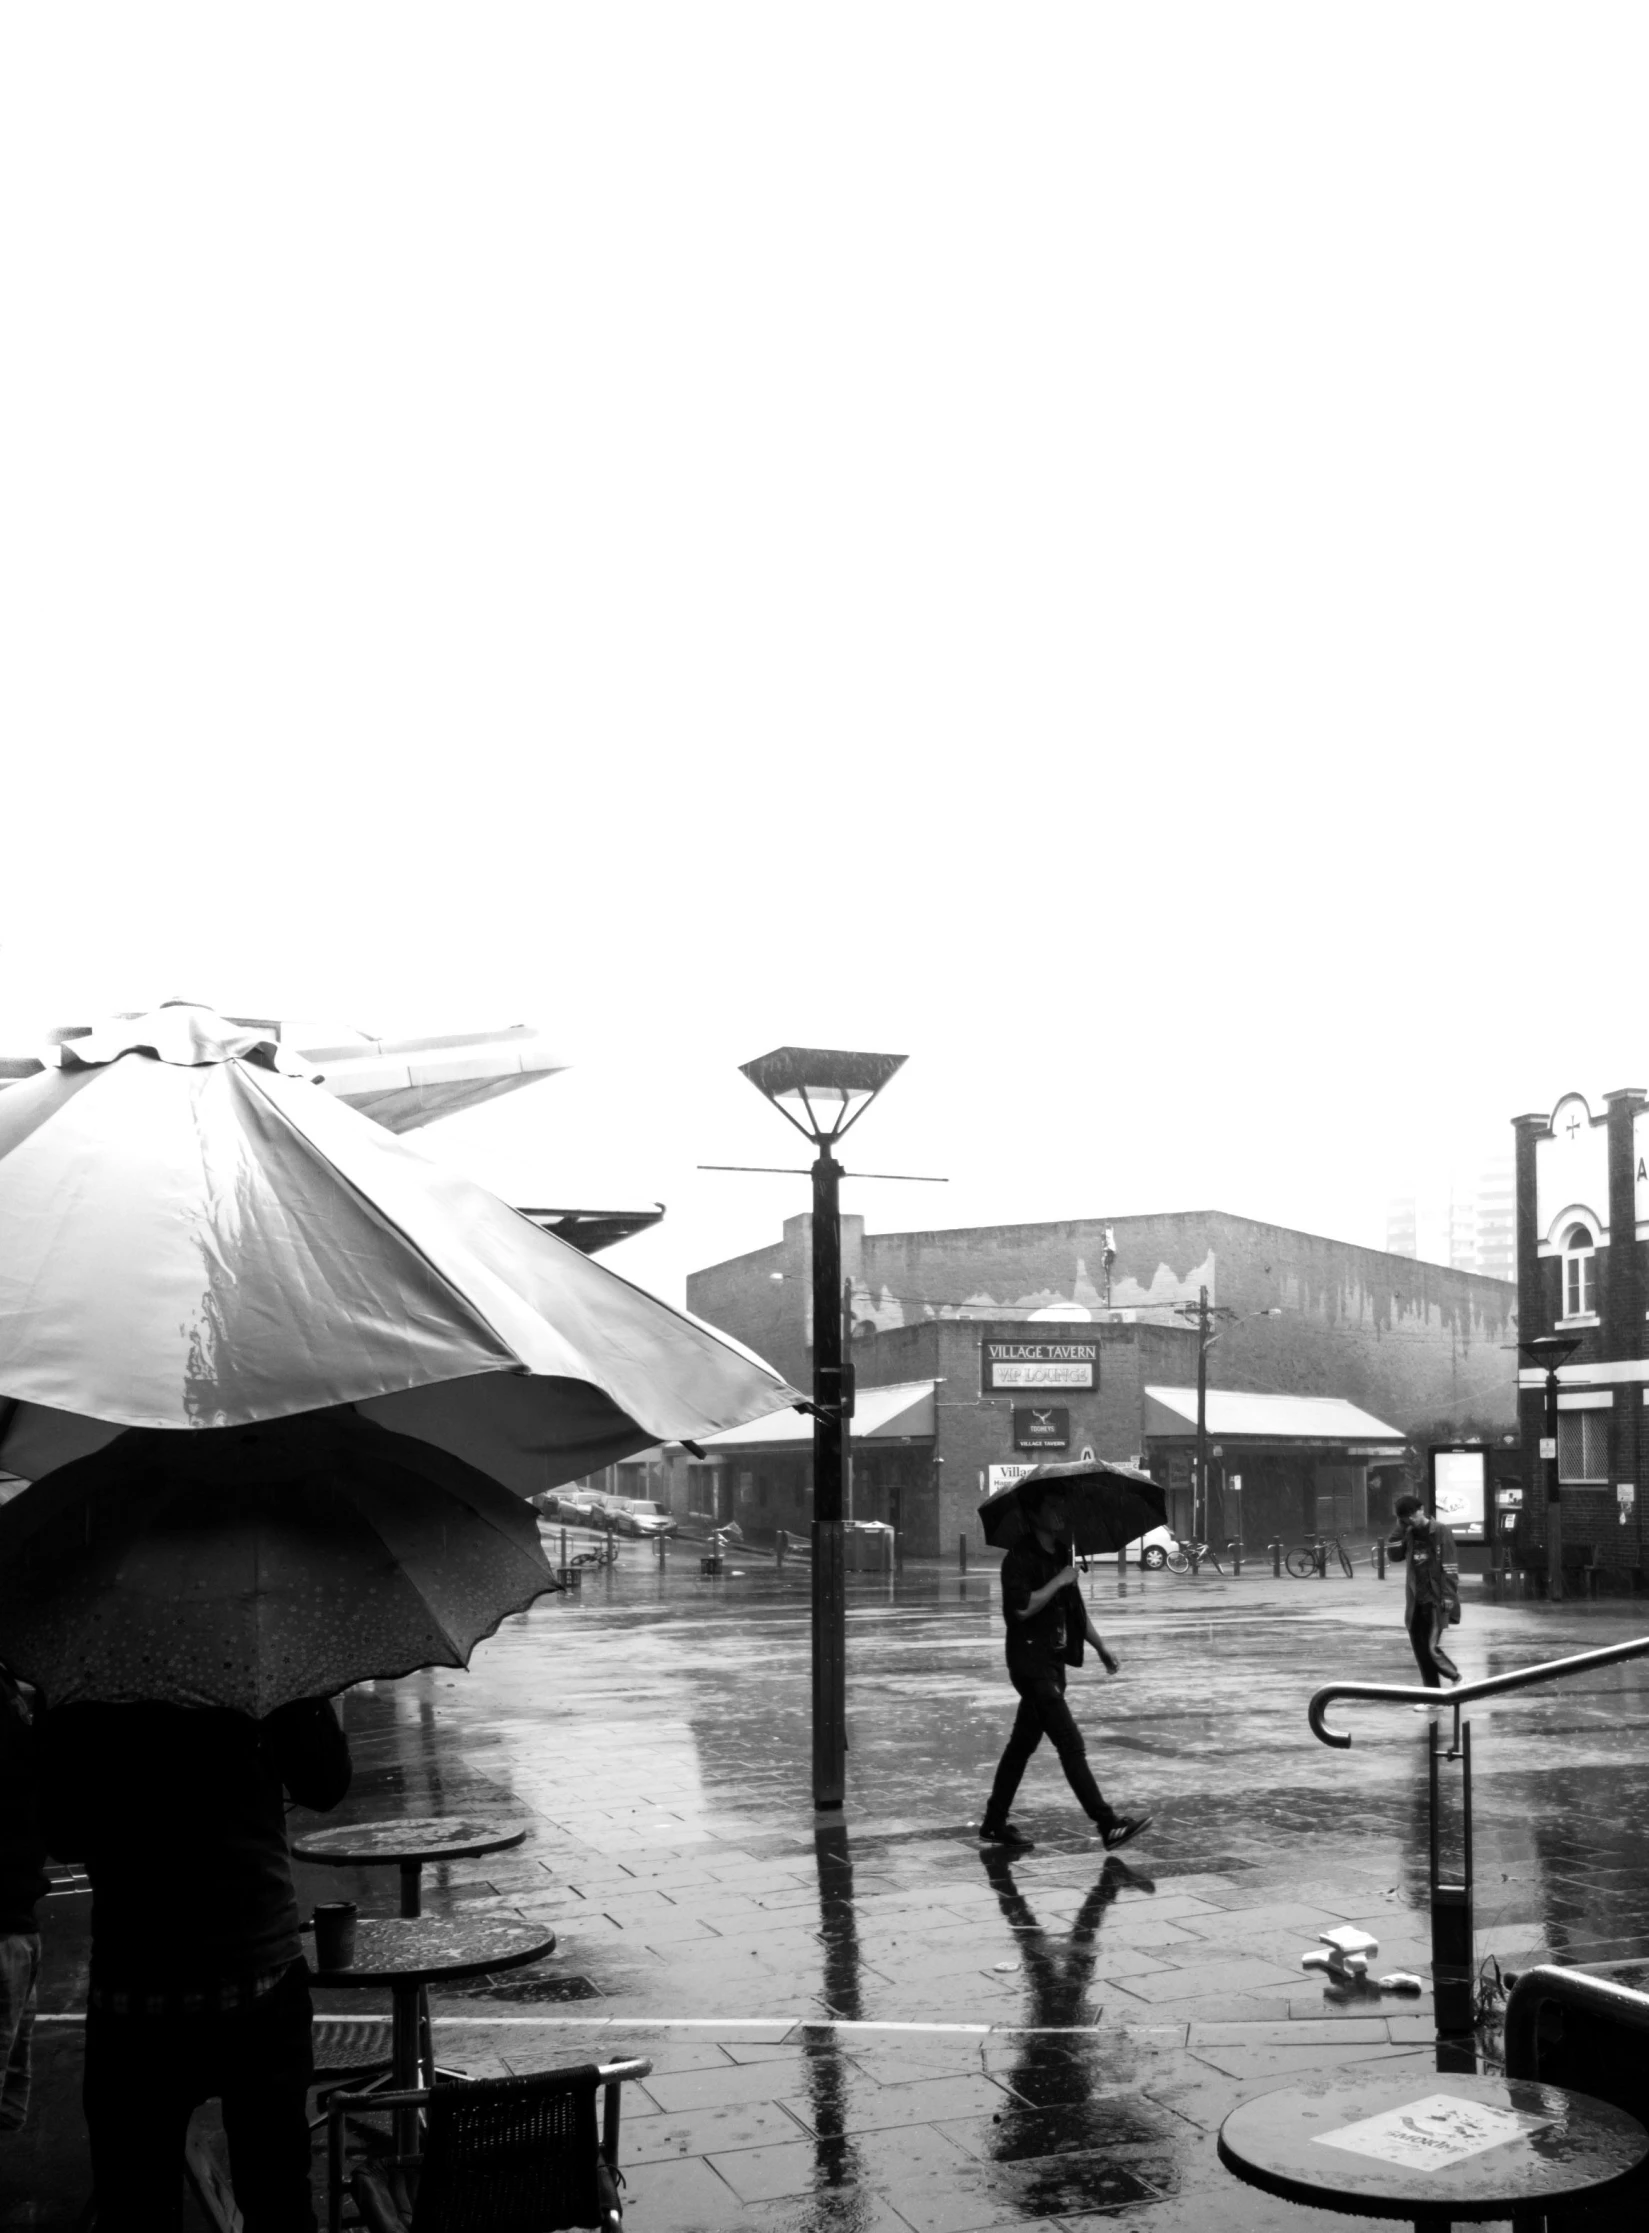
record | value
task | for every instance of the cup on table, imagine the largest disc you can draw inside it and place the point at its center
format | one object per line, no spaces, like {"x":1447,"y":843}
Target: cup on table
{"x":335,"y":1933}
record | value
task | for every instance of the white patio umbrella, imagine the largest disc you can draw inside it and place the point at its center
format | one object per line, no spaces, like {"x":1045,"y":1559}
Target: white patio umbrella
{"x":193,"y":1236}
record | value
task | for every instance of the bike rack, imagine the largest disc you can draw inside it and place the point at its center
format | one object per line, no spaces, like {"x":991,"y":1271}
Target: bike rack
{"x":1451,"y":1902}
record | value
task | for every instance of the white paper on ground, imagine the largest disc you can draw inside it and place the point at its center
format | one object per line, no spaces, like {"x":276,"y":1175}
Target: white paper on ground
{"x":1440,"y":2128}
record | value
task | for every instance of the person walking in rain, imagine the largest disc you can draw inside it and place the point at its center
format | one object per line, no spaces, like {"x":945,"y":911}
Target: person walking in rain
{"x":1047,"y":1624}
{"x":1431,"y":1589}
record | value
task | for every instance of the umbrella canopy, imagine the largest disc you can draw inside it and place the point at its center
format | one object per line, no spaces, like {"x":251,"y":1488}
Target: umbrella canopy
{"x":191,"y":1236}
{"x":248,"y":1566}
{"x":1111,"y":1505}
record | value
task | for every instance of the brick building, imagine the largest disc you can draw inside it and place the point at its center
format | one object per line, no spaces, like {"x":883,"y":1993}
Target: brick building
{"x":1412,"y":1342}
{"x":947,"y":1410}
{"x":1582,"y":1233}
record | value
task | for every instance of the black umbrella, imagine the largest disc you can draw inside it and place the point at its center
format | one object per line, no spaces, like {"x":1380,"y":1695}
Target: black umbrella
{"x":1111,"y":1505}
{"x":246,"y":1566}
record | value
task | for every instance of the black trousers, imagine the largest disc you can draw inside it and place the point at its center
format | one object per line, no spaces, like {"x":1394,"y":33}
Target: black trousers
{"x":145,"y":2075}
{"x":1044,"y":1713}
{"x":1424,"y":1631}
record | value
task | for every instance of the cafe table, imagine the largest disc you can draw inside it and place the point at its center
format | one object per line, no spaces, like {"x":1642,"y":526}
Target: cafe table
{"x":411,"y":1953}
{"x":409,"y":1843}
{"x":1435,"y":2147}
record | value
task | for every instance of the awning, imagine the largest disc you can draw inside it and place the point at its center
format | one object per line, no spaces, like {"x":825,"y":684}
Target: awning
{"x":901,"y":1413}
{"x":1265,"y":1418}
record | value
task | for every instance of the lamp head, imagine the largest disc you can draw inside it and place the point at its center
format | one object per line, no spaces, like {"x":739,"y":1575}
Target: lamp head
{"x":1550,"y":1350}
{"x":822,"y":1091}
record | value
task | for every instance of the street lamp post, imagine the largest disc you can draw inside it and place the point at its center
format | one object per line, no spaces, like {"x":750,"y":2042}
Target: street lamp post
{"x":824,"y":1091}
{"x":1549,"y":1351}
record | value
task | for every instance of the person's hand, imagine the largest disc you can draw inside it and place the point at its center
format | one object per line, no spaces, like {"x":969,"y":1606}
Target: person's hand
{"x":1067,"y":1578}
{"x":1109,"y":1661}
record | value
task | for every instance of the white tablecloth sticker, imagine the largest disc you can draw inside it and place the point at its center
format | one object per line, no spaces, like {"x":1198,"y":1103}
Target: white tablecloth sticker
{"x":1438,"y":2129}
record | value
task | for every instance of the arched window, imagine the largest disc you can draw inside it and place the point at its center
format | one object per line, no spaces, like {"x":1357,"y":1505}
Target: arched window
{"x":1579,"y":1272}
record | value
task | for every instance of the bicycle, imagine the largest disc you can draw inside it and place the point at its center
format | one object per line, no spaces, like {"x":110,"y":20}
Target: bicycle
{"x":1312,"y":1558}
{"x":1190,"y":1557}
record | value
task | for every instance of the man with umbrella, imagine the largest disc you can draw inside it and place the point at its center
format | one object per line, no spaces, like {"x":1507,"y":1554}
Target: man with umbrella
{"x":1047,"y":1624}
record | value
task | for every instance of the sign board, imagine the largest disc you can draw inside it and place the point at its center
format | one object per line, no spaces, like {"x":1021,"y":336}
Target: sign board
{"x":1003,"y":1477}
{"x":1548,"y":1448}
{"x":1008,"y":1367}
{"x":1458,"y":1485}
{"x":1042,"y":1428}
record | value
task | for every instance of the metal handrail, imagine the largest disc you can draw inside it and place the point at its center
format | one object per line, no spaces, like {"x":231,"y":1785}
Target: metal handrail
{"x":1521,"y":1678}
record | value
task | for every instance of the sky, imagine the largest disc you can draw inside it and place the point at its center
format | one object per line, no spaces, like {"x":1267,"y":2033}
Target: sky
{"x":1097,"y":547}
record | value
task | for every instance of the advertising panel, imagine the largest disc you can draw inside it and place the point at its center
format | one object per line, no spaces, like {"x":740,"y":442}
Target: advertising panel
{"x":1458,"y":1485}
{"x":1011,"y":1367}
{"x":1042,"y":1428}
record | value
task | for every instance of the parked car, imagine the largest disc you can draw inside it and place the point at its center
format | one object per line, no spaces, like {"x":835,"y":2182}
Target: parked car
{"x":638,"y":1516}
{"x":1148,"y":1550}
{"x":570,"y":1509}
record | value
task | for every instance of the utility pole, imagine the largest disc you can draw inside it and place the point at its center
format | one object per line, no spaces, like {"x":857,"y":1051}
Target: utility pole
{"x":1204,"y":1312}
{"x":1199,"y":1494}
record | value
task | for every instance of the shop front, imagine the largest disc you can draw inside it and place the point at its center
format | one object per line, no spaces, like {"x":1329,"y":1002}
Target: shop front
{"x":1278,"y":1466}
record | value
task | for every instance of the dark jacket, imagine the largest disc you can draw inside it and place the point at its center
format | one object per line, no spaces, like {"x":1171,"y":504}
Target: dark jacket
{"x":22,"y":1842}
{"x":1053,"y":1637}
{"x":1433,"y":1578}
{"x":177,"y":1813}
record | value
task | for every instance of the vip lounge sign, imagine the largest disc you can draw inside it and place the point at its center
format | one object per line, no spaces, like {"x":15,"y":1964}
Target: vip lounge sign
{"x":1014,"y":1367}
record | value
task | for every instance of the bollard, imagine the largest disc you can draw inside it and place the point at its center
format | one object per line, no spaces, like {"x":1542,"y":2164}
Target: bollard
{"x":563,"y":1546}
{"x":778,"y":1547}
{"x":1380,"y":1558}
{"x":1277,"y":1556}
{"x":1122,"y":1560}
{"x":1236,"y":1558}
{"x":1322,"y":1562}
{"x":962,"y":1553}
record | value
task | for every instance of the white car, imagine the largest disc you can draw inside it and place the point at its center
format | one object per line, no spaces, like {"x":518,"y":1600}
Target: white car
{"x":1146,"y":1550}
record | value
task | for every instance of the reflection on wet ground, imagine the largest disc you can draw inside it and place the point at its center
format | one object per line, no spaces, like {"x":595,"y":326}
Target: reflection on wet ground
{"x":879,"y":2026}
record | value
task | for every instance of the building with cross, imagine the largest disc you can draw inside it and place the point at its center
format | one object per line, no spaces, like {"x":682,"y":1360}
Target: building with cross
{"x":1583,"y":1240}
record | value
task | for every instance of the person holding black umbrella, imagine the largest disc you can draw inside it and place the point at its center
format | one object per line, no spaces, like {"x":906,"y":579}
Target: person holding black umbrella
{"x":1047,"y":1624}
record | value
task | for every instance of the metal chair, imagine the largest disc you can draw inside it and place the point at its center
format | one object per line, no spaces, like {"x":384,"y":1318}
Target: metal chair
{"x":500,"y":2155}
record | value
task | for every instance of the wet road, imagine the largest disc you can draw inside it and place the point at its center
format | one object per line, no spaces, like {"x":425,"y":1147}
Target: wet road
{"x":656,"y":1725}
{"x":1084,"y":2026}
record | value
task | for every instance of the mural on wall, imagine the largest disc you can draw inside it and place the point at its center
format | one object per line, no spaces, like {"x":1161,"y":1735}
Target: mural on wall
{"x":876,"y":1306}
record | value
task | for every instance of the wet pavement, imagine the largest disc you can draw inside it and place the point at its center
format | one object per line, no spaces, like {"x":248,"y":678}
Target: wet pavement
{"x":882,"y":2028}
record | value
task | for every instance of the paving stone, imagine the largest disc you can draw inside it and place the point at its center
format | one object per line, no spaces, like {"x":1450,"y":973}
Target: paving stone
{"x":682,"y":2195}
{"x":722,"y":2088}
{"x":866,"y":2107}
{"x":1203,"y":1979}
{"x":881,"y":2159}
{"x":749,"y":2124}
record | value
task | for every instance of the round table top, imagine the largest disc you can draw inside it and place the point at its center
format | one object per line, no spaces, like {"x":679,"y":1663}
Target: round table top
{"x":430,"y":1837}
{"x":1457,"y":2145}
{"x":423,"y":1949}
